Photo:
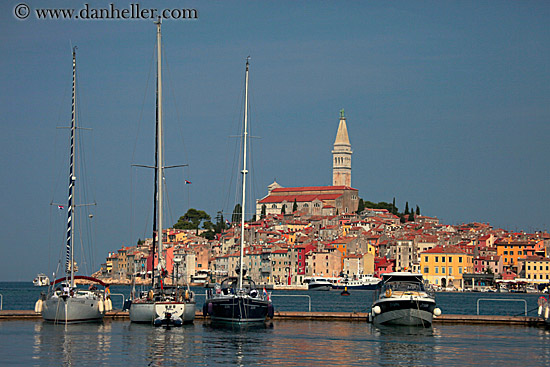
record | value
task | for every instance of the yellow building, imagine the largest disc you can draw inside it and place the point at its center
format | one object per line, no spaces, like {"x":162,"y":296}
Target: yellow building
{"x":536,"y":268}
{"x":512,"y":251}
{"x":445,"y":265}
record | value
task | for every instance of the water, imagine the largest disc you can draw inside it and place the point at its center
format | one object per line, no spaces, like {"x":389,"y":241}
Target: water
{"x":283,"y":343}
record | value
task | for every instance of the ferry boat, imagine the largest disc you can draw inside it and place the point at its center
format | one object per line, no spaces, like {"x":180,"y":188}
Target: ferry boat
{"x":402,"y":299}
{"x":362,"y":281}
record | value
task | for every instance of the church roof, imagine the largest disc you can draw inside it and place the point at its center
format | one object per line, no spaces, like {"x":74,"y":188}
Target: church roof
{"x":299,"y":198}
{"x":313,"y":188}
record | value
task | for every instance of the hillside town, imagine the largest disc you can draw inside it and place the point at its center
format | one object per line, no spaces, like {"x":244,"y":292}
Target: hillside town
{"x":301,"y":232}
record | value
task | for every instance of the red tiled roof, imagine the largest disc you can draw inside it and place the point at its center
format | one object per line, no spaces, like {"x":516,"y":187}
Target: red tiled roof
{"x":313,"y":188}
{"x":298,"y":198}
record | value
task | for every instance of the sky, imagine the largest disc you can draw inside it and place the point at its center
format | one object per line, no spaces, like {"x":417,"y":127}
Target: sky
{"x":447,"y":106}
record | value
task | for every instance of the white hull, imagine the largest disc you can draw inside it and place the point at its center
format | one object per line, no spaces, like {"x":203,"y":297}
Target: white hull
{"x":72,"y":310}
{"x":147,"y":312}
{"x":407,"y":317}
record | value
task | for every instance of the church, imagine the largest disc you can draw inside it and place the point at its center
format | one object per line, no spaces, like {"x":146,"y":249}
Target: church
{"x":337,"y":199}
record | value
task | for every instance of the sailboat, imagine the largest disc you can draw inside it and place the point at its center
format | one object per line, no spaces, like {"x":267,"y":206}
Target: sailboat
{"x":64,"y":302}
{"x":161,"y":305}
{"x":237,"y":300}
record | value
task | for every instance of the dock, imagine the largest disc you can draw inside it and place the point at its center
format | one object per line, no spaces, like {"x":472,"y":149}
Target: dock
{"x":115,"y":315}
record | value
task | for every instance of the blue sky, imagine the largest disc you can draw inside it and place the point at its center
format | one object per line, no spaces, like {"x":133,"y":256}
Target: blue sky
{"x":447,"y":105}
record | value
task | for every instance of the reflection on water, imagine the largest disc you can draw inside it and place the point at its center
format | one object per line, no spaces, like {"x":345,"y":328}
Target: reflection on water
{"x":284,"y":343}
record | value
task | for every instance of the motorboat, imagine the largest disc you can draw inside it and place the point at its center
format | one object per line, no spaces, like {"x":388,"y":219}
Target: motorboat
{"x":402,"y":299}
{"x":318,"y":284}
{"x":362,"y":281}
{"x":41,"y":280}
{"x":544,"y":309}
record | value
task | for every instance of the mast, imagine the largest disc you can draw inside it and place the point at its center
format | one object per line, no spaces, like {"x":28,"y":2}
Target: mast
{"x":244,"y":172}
{"x":69,"y":264}
{"x":159,"y":164}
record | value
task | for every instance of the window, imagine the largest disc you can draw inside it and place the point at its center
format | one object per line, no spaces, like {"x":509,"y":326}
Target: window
{"x":442,"y":270}
{"x":450,"y":259}
{"x":460,"y":270}
{"x":426,"y":270}
{"x":426,"y":258}
{"x":460,"y":259}
{"x":437,"y":259}
{"x":511,"y":252}
{"x":505,"y":252}
{"x":450,"y":270}
{"x":436,"y":270}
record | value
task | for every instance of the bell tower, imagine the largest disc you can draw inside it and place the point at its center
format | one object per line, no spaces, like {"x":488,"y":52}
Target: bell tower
{"x":341,"y":155}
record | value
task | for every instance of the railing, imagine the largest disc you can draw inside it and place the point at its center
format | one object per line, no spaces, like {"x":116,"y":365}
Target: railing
{"x":276,"y":295}
{"x":1,"y":301}
{"x":503,"y":300}
{"x":118,"y":294}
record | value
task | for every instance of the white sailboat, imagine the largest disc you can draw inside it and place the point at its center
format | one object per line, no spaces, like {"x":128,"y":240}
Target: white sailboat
{"x":161,"y":305}
{"x":67,"y":303}
{"x":237,"y":300}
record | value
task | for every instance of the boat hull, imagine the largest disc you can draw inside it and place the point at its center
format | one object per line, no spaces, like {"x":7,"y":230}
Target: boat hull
{"x":71,"y":310}
{"x":409,"y":312}
{"x":319,"y":287}
{"x":237,"y":309}
{"x":147,"y":312}
{"x":355,"y":287}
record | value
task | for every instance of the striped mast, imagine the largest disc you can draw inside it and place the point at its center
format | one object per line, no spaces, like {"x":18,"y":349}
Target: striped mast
{"x":69,"y":264}
{"x":244,"y":172}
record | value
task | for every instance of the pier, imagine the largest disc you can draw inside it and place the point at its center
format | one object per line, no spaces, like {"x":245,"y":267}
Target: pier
{"x":319,"y":316}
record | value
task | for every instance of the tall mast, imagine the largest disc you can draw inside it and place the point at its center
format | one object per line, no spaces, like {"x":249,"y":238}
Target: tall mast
{"x":244,"y":172}
{"x":160,"y":175}
{"x":69,"y":264}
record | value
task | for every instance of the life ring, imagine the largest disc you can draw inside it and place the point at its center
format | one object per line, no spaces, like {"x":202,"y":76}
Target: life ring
{"x":150,"y":295}
{"x":388,"y":293}
{"x":542,"y":300}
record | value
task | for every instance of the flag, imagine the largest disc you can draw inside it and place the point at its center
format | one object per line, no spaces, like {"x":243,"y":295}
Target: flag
{"x":60,"y":207}
{"x":266,"y":295}
{"x":187,"y":182}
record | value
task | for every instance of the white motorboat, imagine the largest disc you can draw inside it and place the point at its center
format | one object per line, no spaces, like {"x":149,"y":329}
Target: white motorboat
{"x":362,"y":281}
{"x":544,"y":309}
{"x":318,"y":283}
{"x":402,"y":299}
{"x":41,"y":280}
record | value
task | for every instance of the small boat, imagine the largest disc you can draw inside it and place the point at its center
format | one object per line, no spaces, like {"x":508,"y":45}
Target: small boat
{"x":41,"y":280}
{"x":318,"y":284}
{"x":161,"y":305}
{"x":345,"y":292}
{"x":362,"y":281}
{"x":237,"y":300}
{"x":402,"y":299}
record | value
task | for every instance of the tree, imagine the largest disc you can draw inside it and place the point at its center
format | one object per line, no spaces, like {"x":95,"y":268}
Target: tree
{"x":140,"y":242}
{"x":393,"y":207}
{"x":406,"y":208}
{"x":192,"y":219}
{"x":411,"y":217}
{"x":294,"y":206}
{"x":360,"y":206}
{"x":417,"y":210}
{"x":237,"y":214}
{"x":220,"y":223}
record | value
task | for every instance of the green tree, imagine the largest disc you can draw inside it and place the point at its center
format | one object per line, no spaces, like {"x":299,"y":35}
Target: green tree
{"x":361,"y":206}
{"x":192,"y":219}
{"x":417,"y":210}
{"x":220,"y":223}
{"x":140,"y":242}
{"x":406,"y":208}
{"x":294,"y":206}
{"x":411,"y":217}
{"x":237,"y":214}
{"x":393,"y":207}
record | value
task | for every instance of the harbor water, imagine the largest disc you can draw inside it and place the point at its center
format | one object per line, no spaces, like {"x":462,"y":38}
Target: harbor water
{"x":285,"y":343}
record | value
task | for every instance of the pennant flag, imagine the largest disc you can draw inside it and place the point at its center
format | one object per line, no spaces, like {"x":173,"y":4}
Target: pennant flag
{"x":187,"y":182}
{"x":60,"y":207}
{"x":266,"y":295}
